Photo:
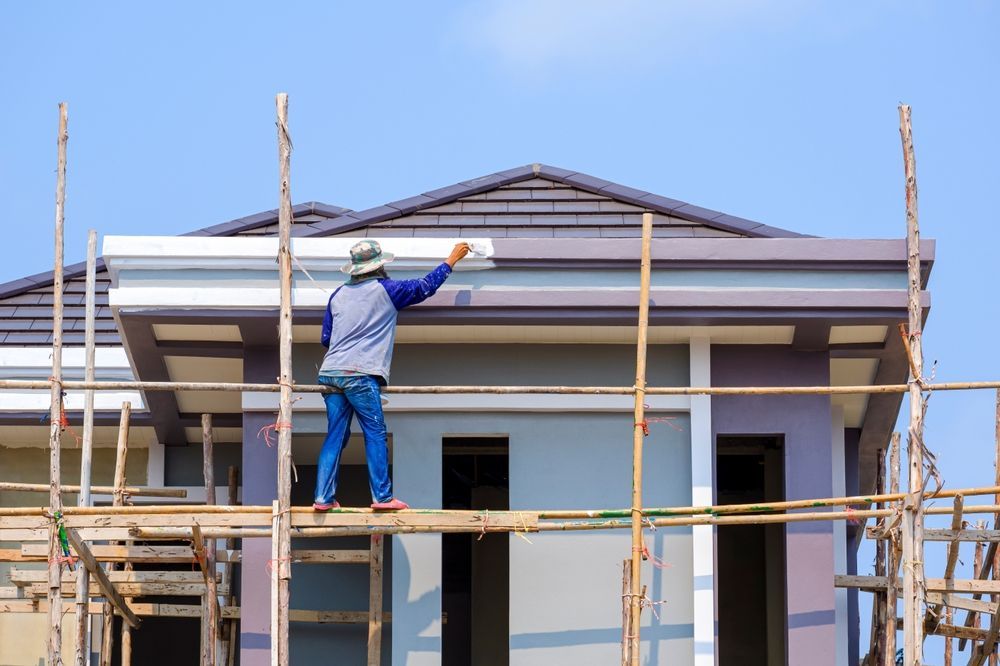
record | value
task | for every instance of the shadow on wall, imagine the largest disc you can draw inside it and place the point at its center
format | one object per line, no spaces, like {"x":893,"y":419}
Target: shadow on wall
{"x":410,"y":639}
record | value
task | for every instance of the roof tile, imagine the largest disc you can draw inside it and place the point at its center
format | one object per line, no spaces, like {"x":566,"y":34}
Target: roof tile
{"x":411,"y":204}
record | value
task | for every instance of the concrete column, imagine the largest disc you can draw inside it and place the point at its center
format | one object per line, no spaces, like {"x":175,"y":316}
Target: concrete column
{"x":702,"y":493}
{"x":260,"y":485}
{"x":804,"y":421}
{"x":416,"y":558}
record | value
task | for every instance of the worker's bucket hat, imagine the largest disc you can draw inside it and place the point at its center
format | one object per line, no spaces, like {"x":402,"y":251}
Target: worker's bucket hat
{"x":366,"y":256}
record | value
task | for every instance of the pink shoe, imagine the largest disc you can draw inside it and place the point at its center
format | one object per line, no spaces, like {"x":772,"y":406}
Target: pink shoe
{"x":326,"y":507}
{"x":392,"y":505}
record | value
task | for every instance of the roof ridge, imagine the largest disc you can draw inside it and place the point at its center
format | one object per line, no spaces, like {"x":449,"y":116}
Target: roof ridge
{"x":659,"y":204}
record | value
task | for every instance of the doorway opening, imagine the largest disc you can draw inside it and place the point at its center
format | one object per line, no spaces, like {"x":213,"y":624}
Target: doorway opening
{"x":475,"y":595}
{"x":750,"y":575}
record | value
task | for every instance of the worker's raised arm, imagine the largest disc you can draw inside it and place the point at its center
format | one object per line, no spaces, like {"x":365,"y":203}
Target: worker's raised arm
{"x":404,"y":293}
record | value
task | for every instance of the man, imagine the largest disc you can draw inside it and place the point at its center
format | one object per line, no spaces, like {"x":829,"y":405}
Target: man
{"x":358,"y":331}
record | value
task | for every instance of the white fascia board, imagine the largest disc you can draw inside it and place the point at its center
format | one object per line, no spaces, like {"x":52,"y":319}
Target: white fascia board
{"x":32,"y":362}
{"x":483,"y":402}
{"x":258,"y":253}
{"x":104,"y":401}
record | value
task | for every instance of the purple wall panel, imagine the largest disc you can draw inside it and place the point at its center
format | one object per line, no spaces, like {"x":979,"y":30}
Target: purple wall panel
{"x":260,"y":486}
{"x":804,"y":421}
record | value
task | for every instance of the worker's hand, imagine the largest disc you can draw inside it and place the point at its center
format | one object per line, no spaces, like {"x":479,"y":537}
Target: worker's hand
{"x":460,"y":250}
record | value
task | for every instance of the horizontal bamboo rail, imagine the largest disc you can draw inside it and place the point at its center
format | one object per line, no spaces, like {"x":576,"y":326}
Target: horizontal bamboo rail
{"x":134,"y":491}
{"x":39,"y":384}
{"x":582,"y":514}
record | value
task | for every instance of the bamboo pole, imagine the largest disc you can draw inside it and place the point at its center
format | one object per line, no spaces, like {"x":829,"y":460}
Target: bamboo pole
{"x":543,"y":514}
{"x":133,"y":491}
{"x":889,"y":656}
{"x":209,"y":655}
{"x":375,"y":601}
{"x":913,"y":545}
{"x":626,"y":611}
{"x":877,"y":640}
{"x":121,"y":457}
{"x":242,"y":387}
{"x":639,"y":432}
{"x":211,"y":600}
{"x":55,"y":413}
{"x":947,"y":639}
{"x":996,"y":498}
{"x":87,"y":448}
{"x":279,"y":642}
{"x":228,"y":645}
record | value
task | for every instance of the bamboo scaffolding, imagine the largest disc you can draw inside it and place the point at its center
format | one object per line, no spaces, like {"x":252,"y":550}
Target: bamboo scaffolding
{"x":227,"y":648}
{"x":132,"y":491}
{"x":855,"y":389}
{"x":55,"y":412}
{"x":913,"y":545}
{"x":121,"y":458}
{"x":639,"y":432}
{"x":210,"y":619}
{"x":86,"y":446}
{"x":283,"y":567}
{"x":889,"y":656}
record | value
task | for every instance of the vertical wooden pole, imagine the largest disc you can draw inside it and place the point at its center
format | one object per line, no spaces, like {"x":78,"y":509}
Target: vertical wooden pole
{"x":283,"y":566}
{"x":889,"y":656}
{"x":639,"y":430}
{"x":994,"y":659}
{"x":121,"y":457}
{"x":977,"y":571}
{"x":913,"y":520}
{"x":947,"y":639}
{"x":626,"y":612}
{"x":86,"y":452}
{"x":228,"y":644}
{"x":879,"y":598}
{"x":210,"y":601}
{"x":55,"y":413}
{"x":375,"y":601}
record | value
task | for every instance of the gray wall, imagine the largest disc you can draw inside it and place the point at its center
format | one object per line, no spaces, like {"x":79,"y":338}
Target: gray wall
{"x":805,"y":423}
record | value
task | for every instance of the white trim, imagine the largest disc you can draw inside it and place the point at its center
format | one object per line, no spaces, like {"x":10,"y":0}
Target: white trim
{"x":702,"y":493}
{"x":25,"y":362}
{"x":104,"y":401}
{"x":838,"y":467}
{"x":482,"y":402}
{"x":242,"y":252}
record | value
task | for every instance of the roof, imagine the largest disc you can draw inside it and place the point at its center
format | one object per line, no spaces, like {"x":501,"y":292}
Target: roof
{"x":532,"y":201}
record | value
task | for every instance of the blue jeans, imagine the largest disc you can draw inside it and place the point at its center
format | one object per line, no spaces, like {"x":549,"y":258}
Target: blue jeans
{"x":362,"y":396}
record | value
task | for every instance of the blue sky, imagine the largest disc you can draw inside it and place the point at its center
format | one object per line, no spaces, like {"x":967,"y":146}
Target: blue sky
{"x":776,"y":111}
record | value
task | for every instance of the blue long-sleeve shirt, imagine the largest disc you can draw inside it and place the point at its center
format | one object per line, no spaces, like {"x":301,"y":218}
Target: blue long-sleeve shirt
{"x":359,"y":327}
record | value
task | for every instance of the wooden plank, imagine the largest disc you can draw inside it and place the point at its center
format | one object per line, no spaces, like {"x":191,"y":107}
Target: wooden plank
{"x":956,"y":631}
{"x":137,"y":554}
{"x":107,"y":589}
{"x":129,"y":589}
{"x":872,"y":583}
{"x":24,"y":577}
{"x":962,"y":603}
{"x":375,"y":601}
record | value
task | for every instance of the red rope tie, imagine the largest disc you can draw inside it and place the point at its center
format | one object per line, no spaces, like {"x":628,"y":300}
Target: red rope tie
{"x":644,"y":424}
{"x":269,"y":565}
{"x":266,"y":431}
{"x":850,"y":516}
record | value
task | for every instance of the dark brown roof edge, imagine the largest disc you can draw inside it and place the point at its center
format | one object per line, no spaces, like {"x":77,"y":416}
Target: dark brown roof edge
{"x":653,"y":202}
{"x":231,"y":228}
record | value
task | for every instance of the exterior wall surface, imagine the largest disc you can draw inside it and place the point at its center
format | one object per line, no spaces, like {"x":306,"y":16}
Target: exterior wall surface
{"x":804,"y":421}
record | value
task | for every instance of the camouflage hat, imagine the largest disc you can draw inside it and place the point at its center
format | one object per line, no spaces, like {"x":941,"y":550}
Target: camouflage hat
{"x":366,"y":256}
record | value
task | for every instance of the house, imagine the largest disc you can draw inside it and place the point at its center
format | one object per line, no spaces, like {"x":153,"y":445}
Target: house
{"x":549,"y":298}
